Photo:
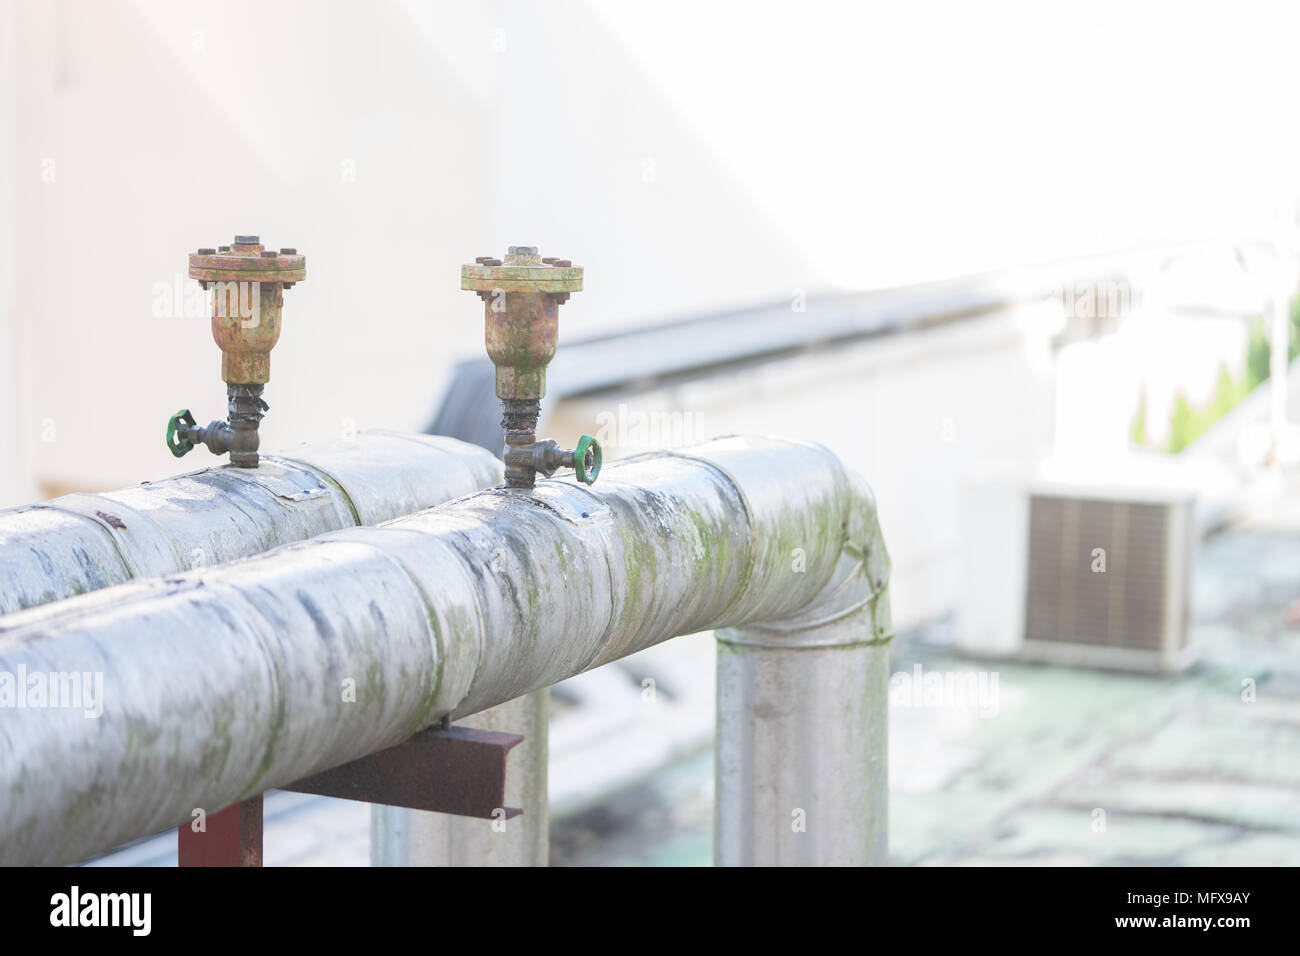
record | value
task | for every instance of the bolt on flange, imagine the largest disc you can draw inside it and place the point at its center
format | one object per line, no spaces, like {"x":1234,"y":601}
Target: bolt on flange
{"x":249,"y":283}
{"x":522,"y":295}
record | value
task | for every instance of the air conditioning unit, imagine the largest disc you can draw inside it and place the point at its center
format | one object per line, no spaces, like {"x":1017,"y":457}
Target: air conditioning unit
{"x":1084,"y":567}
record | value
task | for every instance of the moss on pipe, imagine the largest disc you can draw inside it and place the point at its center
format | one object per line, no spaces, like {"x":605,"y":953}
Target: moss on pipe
{"x":473,"y":611}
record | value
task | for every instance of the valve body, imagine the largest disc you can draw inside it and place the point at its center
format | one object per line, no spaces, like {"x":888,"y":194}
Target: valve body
{"x":248,"y":283}
{"x":522,"y":295}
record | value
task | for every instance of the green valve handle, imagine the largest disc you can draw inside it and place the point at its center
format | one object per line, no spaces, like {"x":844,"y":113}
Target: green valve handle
{"x":180,"y":447}
{"x":584,"y":474}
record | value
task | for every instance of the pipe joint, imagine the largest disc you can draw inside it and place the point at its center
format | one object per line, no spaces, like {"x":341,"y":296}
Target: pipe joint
{"x":546,"y":457}
{"x":238,"y":437}
{"x":852,"y":609}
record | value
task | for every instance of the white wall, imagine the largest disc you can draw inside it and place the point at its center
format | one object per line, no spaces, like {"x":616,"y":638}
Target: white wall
{"x":15,"y":478}
{"x":163,"y":139}
{"x":389,"y":142}
{"x":691,"y":156}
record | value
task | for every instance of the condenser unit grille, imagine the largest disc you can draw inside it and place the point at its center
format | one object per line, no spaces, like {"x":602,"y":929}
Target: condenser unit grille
{"x":1069,"y":599}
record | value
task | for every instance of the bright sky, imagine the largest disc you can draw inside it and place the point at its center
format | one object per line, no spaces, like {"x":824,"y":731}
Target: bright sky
{"x":899,"y":141}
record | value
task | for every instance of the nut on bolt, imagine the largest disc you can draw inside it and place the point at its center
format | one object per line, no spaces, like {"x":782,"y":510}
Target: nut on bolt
{"x":522,"y":294}
{"x":249,"y":283}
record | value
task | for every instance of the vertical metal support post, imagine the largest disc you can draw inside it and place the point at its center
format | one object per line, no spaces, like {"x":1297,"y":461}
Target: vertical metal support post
{"x":232,"y":837}
{"x":801,"y":775}
{"x":402,"y":837}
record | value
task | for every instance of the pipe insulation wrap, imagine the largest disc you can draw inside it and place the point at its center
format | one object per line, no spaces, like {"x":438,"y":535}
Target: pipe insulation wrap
{"x":81,"y":542}
{"x":801,"y":776}
{"x":222,"y":682}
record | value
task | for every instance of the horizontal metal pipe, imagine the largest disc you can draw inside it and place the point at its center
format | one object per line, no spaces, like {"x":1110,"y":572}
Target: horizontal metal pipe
{"x":223,"y":682}
{"x":83,"y":542}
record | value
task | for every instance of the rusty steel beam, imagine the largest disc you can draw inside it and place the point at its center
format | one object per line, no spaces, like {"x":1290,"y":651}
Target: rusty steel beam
{"x":456,"y":770}
{"x":232,"y":837}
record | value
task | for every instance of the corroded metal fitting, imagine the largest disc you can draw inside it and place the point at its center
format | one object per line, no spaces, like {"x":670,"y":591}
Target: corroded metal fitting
{"x":522,"y":295}
{"x":249,"y":282}
{"x":238,"y":437}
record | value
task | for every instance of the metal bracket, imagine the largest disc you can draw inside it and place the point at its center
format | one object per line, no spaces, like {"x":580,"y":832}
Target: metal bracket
{"x":456,"y":770}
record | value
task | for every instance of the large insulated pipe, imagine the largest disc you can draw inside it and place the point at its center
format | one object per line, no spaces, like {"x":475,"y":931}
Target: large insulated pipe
{"x":801,"y":737}
{"x":223,"y":682}
{"x":82,"y":542}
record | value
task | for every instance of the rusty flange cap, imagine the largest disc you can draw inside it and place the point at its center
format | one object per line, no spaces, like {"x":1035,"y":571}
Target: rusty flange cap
{"x":246,"y":260}
{"x":522,"y":270}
